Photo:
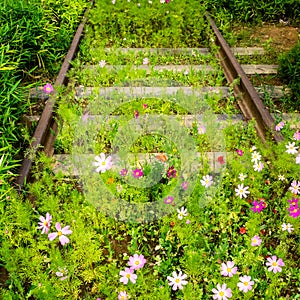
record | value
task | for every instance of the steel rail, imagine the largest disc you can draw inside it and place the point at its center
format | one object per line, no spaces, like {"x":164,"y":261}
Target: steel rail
{"x":248,"y":99}
{"x":42,"y":137}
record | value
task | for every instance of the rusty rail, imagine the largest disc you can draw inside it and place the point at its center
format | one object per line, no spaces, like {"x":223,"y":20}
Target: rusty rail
{"x":42,"y":136}
{"x":248,"y":99}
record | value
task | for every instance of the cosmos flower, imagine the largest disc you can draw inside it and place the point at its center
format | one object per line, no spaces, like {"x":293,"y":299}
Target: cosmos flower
{"x":177,"y":281}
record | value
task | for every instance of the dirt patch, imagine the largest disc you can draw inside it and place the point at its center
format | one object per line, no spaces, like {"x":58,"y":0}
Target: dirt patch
{"x":277,"y":36}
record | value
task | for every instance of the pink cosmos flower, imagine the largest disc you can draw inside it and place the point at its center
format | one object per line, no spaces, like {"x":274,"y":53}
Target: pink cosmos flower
{"x":279,"y":126}
{"x":137,"y":173}
{"x":123,"y":172}
{"x":127,"y":275}
{"x":45,"y":223}
{"x":294,"y":202}
{"x":274,"y":264}
{"x":222,"y":292}
{"x":294,"y":211}
{"x":169,"y":200}
{"x":185,"y":185}
{"x":48,"y":88}
{"x":177,"y":281}
{"x":256,"y":241}
{"x":60,"y":233}
{"x":239,"y":152}
{"x":201,"y":129}
{"x":145,"y":105}
{"x":258,"y":166}
{"x":296,"y":136}
{"x":287,"y":227}
{"x":245,"y":284}
{"x":295,"y":186}
{"x":257,"y":206}
{"x":62,"y":273}
{"x":228,"y":269}
{"x":298,"y":159}
{"x":122,"y":295}
{"x":136,"y":114}
{"x":137,"y":261}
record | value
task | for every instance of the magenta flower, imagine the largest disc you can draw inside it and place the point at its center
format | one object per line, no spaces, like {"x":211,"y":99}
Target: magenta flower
{"x":239,"y":152}
{"x":257,"y":206}
{"x":127,"y":275}
{"x":222,"y":292}
{"x":185,"y":185}
{"x":172,"y":173}
{"x":123,"y":172}
{"x":294,"y":202}
{"x":169,"y":200}
{"x":294,"y":211}
{"x":137,"y":173}
{"x":136,"y":114}
{"x":274,"y":264}
{"x":256,"y":241}
{"x":137,"y":261}
{"x":48,"y":88}
{"x":279,"y":126}
{"x":245,"y":284}
{"x":122,"y":295}
{"x":45,"y":223}
{"x":60,"y":233}
{"x":228,"y":269}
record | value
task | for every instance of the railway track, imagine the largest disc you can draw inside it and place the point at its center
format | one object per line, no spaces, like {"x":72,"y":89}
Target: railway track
{"x":248,"y":97}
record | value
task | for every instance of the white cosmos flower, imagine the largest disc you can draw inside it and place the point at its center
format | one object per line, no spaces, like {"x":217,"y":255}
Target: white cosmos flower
{"x":177,"y":281}
{"x":255,"y":157}
{"x":103,"y":164}
{"x":291,"y":148}
{"x":242,"y":176}
{"x":242,"y":191}
{"x":182,"y":212}
{"x":288,"y":227}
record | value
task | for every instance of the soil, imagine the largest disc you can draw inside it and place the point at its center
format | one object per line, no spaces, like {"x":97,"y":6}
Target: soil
{"x":281,"y":37}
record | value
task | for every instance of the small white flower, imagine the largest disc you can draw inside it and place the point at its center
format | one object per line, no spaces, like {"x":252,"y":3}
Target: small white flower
{"x":102,"y":163}
{"x":298,"y":159}
{"x":258,"y":166}
{"x":182,"y":212}
{"x":145,"y":61}
{"x":102,"y":63}
{"x":242,"y":191}
{"x":113,"y":1}
{"x":242,"y":176}
{"x":255,"y":157}
{"x":162,"y":1}
{"x":295,"y":186}
{"x":287,"y":227}
{"x":291,"y":148}
{"x":206,"y":181}
{"x":252,"y":148}
{"x":281,"y":177}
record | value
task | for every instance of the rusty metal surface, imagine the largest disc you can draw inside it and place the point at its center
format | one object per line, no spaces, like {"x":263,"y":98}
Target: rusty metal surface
{"x":41,"y":134}
{"x":248,"y":99}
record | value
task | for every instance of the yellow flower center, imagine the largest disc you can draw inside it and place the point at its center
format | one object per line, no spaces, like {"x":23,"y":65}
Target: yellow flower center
{"x":257,"y":206}
{"x":177,"y":280}
{"x":128,"y":275}
{"x":103,"y":163}
{"x":137,"y":262}
{"x":222,"y":294}
{"x":45,"y":223}
{"x":59,"y":233}
{"x":246,"y":283}
{"x":241,"y":191}
{"x":255,"y":241}
{"x":274,"y":264}
{"x":295,"y":210}
{"x":228,"y":270}
{"x":48,"y":89}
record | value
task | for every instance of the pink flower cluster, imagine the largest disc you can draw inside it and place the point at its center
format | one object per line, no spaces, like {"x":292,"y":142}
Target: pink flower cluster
{"x":61,"y":233}
{"x":294,"y":209}
{"x":135,"y":262}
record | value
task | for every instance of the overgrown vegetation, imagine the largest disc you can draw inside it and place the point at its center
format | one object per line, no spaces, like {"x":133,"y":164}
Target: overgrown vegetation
{"x":289,"y":71}
{"x":34,"y":38}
